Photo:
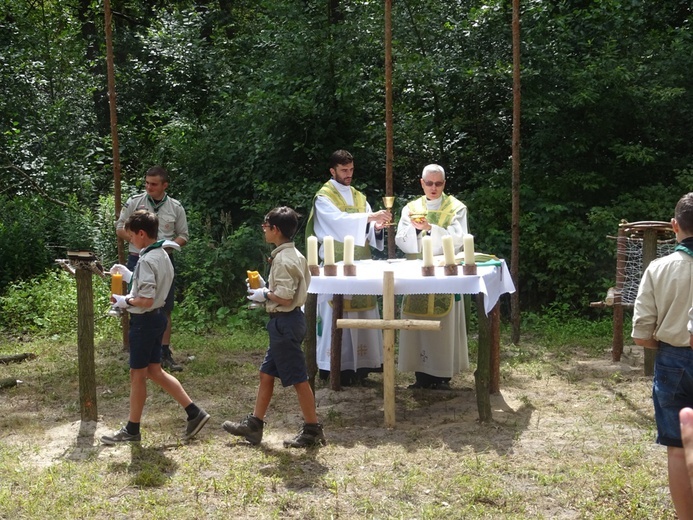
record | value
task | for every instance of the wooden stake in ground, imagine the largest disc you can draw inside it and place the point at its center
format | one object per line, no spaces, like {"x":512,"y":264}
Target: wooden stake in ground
{"x":388,"y":324}
{"x":84,"y":264}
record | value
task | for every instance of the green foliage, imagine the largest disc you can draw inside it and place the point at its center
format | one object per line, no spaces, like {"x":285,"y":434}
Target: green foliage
{"x":244,"y":101}
{"x":47,"y":306}
{"x":557,"y":327}
{"x":24,"y":238}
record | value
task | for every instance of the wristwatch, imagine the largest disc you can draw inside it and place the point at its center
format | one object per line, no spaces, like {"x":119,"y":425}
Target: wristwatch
{"x":129,"y":301}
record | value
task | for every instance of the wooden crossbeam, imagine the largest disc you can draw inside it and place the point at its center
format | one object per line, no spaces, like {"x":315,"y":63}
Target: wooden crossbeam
{"x":388,"y":324}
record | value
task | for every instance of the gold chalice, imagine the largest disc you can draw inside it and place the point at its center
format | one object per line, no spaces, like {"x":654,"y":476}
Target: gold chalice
{"x":418,"y":218}
{"x":388,"y":202}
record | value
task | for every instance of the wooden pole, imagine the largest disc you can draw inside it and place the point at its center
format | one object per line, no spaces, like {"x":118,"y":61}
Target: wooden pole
{"x":389,"y":349}
{"x":336,"y":349}
{"x":386,"y":324}
{"x":482,"y":375}
{"x":617,"y":338}
{"x":310,"y":342}
{"x":389,"y":139}
{"x":85,"y":345}
{"x":515,"y":226}
{"x":117,"y":197}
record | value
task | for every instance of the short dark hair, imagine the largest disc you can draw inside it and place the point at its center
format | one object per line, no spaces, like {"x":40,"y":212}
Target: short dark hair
{"x":158,"y":171}
{"x":143,"y":220}
{"x":285,"y":219}
{"x":340,"y":157}
{"x":684,"y":213}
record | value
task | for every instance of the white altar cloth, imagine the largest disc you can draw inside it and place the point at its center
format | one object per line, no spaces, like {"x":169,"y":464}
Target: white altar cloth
{"x":490,"y":280}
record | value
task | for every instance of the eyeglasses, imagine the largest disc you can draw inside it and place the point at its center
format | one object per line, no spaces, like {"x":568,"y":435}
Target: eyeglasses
{"x":266,"y":225}
{"x":438,"y":184}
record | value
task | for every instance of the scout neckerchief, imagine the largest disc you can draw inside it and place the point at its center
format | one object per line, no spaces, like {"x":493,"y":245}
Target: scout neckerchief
{"x":150,"y":247}
{"x":685,"y":246}
{"x":156,"y":206}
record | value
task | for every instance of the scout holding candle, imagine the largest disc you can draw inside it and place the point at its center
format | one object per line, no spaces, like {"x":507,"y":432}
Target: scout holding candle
{"x":434,"y":357}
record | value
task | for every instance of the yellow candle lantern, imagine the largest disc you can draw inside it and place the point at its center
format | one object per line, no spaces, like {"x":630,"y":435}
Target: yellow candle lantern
{"x":253,"y":279}
{"x":117,"y":283}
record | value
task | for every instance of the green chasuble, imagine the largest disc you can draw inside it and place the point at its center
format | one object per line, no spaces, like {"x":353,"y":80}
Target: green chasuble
{"x":431,"y":305}
{"x":359,"y":302}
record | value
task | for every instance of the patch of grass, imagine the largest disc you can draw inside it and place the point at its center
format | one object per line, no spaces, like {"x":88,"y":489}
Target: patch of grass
{"x":565,"y":442}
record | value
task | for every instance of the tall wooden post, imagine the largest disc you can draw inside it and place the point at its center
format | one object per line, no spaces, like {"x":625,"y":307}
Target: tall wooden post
{"x":515,"y":226}
{"x":389,"y":349}
{"x":482,"y":375}
{"x":310,"y":342}
{"x":336,"y":349}
{"x":115,"y":145}
{"x":617,"y":338}
{"x":83,"y":270}
{"x":389,"y":139}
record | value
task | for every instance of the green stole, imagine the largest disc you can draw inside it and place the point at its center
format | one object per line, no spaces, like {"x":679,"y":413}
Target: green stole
{"x":358,"y":302}
{"x":431,"y":305}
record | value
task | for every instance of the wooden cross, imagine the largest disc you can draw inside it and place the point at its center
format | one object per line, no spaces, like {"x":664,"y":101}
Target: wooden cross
{"x":388,"y":325}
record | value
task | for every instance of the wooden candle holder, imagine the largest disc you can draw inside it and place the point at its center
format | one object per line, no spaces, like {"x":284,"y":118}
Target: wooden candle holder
{"x":469,"y":269}
{"x":314,"y":270}
{"x":450,"y":270}
{"x":429,"y":270}
{"x":330,"y":270}
{"x":350,"y":270}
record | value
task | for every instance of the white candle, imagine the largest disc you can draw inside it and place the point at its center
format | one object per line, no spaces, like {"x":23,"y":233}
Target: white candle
{"x":448,"y":250}
{"x":312,"y":250}
{"x":348,"y":250}
{"x":328,"y":250}
{"x":469,"y":250}
{"x":427,"y":248}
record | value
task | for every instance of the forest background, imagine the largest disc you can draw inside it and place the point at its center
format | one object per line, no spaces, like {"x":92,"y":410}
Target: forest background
{"x":243,"y":101}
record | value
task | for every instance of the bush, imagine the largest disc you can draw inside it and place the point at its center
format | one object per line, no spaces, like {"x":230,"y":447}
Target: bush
{"x":47,"y":305}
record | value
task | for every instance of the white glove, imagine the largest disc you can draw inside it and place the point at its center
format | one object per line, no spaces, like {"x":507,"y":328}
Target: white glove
{"x":257,"y":295}
{"x":120,"y":300}
{"x":121,"y":269}
{"x":262,"y":283}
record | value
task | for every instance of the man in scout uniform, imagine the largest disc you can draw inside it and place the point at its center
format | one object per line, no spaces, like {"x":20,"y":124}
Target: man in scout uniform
{"x":340,"y":210}
{"x":434,"y":356}
{"x":173,"y":225}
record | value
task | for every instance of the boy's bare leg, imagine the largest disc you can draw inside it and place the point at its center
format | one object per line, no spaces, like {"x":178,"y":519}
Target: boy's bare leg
{"x":679,"y":482}
{"x":138,"y":393}
{"x":306,"y":400}
{"x":264,"y":395}
{"x":168,"y":383}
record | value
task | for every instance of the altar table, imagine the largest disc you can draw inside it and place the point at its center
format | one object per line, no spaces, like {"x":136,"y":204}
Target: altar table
{"x":490,"y":282}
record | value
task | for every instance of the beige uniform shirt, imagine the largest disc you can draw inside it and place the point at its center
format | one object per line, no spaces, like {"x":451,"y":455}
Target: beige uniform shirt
{"x":173,"y":221}
{"x":152,"y":278}
{"x":664,"y":298}
{"x":289,"y":278}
